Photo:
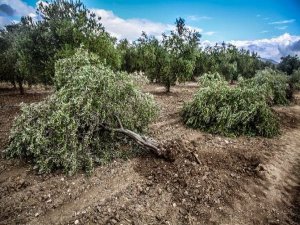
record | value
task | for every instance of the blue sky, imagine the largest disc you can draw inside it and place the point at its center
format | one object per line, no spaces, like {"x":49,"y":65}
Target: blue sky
{"x":230,"y":19}
{"x":270,"y":27}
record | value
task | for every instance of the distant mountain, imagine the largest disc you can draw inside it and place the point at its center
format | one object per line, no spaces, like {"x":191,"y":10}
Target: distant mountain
{"x":269,"y":60}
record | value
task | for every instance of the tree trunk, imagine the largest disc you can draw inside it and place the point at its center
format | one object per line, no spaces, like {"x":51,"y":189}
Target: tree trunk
{"x":14,"y":84}
{"x":21,"y":88}
{"x":168,"y":87}
{"x":143,"y":141}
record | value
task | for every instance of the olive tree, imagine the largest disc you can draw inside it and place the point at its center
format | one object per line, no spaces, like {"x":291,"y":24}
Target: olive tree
{"x":289,"y":63}
{"x":92,"y":116}
{"x":32,"y":47}
{"x":13,"y":67}
{"x":172,"y":59}
{"x":221,"y":109}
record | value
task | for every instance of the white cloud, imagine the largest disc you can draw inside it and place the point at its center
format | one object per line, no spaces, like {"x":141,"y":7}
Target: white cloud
{"x":129,"y":28}
{"x":20,"y":7}
{"x":206,"y":43}
{"x":283,"y":21}
{"x":197,"y":18}
{"x":264,"y":31}
{"x":281,"y":27}
{"x":4,"y":21}
{"x":133,"y":28}
{"x":209,"y":33}
{"x":273,"y":48}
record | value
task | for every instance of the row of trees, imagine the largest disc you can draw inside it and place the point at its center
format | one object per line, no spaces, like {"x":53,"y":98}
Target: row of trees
{"x":179,"y":57}
{"x":29,"y":49}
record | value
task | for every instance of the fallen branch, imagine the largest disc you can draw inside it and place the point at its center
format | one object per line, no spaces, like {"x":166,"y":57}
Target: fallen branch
{"x":143,"y":141}
{"x":196,"y":157}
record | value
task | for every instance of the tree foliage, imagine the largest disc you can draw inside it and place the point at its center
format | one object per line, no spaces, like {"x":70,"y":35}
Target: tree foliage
{"x":169,"y":61}
{"x":228,"y":61}
{"x":65,"y":130}
{"x":294,"y":80}
{"x":219,"y":108}
{"x":63,"y":26}
{"x":13,"y":40}
{"x":179,"y":58}
{"x":274,"y":83}
{"x":289,"y":63}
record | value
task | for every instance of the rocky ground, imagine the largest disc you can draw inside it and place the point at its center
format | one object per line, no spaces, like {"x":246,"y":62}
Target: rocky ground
{"x":213,"y":180}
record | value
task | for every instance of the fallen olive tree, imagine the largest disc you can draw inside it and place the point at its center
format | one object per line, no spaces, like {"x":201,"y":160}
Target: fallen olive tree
{"x":274,"y":84}
{"x":221,"y":109}
{"x":91,"y":118}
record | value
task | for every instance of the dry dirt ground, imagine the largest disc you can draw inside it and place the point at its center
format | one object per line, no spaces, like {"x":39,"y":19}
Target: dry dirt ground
{"x":214,"y":179}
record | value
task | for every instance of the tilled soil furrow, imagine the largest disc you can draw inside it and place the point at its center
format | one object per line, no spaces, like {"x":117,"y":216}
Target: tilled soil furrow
{"x":213,"y":180}
{"x":36,"y":195}
{"x":107,"y":186}
{"x":277,"y":188}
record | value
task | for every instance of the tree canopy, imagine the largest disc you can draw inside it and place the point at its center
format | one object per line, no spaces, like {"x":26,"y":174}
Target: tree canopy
{"x":30,"y":48}
{"x":289,"y":63}
{"x":68,"y":130}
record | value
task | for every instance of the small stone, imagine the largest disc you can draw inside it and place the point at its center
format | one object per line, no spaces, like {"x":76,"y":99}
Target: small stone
{"x":114,"y":221}
{"x":159,"y":191}
{"x":182,"y":211}
{"x":22,"y":181}
{"x":36,"y":215}
{"x":62,"y":179}
{"x":174,"y":204}
{"x":217,"y":201}
{"x":76,"y":222}
{"x":140,"y":189}
{"x":260,"y":168}
{"x":149,"y":183}
{"x":186,"y":193}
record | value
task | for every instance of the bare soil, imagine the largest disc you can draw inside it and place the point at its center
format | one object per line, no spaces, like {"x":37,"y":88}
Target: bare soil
{"x":213,"y":180}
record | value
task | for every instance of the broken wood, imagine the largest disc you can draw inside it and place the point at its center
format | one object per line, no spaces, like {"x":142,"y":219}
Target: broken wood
{"x":196,"y":157}
{"x":143,"y":141}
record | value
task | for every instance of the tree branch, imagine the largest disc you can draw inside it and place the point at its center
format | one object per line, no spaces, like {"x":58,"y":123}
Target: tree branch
{"x":119,"y":121}
{"x":143,"y":141}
